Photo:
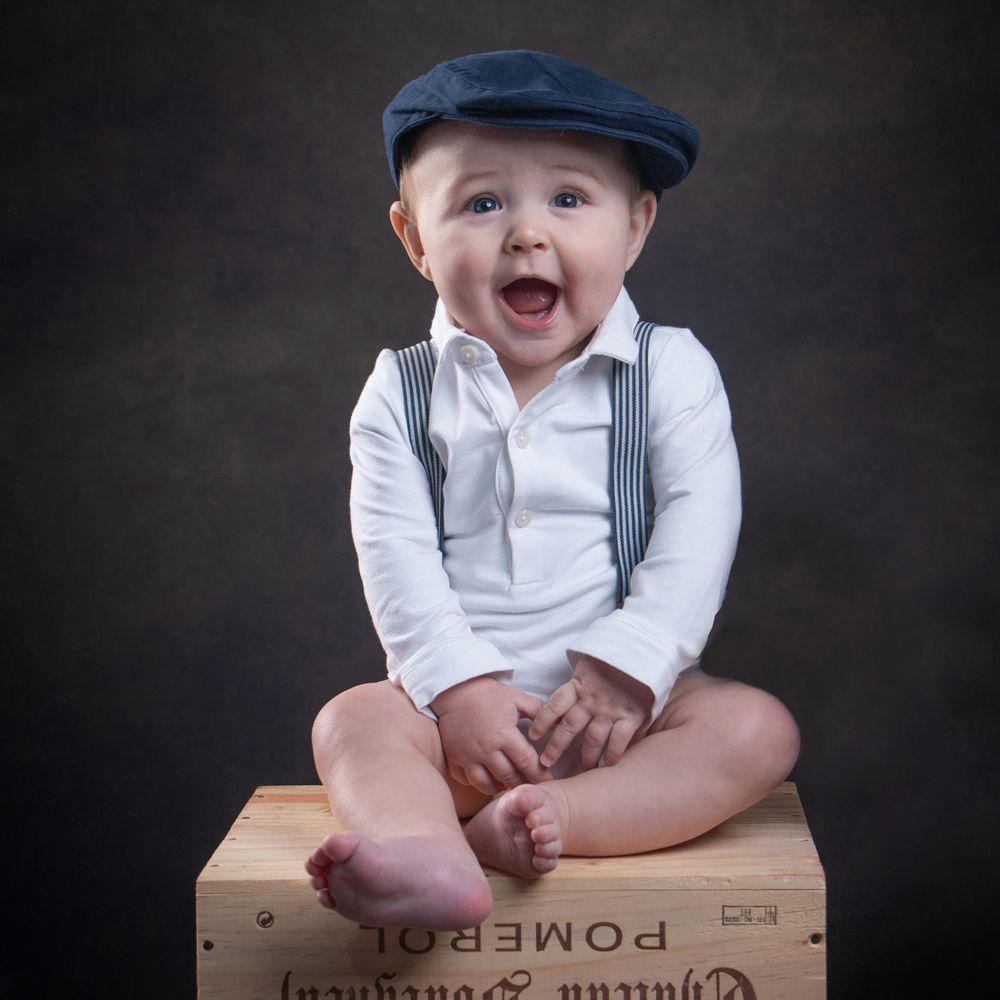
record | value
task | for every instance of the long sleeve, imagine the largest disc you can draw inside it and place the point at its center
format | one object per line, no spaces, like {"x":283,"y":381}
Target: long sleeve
{"x":678,"y":588}
{"x":417,"y":615}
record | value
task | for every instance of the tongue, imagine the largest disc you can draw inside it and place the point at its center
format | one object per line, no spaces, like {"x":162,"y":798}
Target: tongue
{"x":529,"y":295}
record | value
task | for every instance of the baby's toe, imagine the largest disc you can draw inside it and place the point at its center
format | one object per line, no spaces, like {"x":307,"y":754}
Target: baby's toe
{"x":545,"y":815}
{"x":318,"y":862}
{"x":339,"y":847}
{"x":545,"y":833}
{"x":544,"y":865}
{"x":549,"y":848}
{"x":524,"y":800}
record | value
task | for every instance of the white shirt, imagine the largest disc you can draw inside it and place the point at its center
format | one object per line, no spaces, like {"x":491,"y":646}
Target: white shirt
{"x":528,"y":579}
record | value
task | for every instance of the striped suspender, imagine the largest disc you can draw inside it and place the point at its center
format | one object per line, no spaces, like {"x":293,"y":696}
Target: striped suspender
{"x":628,"y":460}
{"x":416,"y":369}
{"x":628,"y":456}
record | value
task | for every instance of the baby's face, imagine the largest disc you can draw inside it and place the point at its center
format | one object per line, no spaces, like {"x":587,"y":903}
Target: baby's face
{"x":526,"y":234}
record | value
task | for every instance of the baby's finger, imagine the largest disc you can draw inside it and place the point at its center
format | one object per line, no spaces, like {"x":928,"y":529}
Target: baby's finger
{"x":528,"y":706}
{"x":559,"y":703}
{"x":525,"y":758}
{"x":619,"y":740}
{"x":482,"y":780}
{"x":458,"y":773}
{"x":595,"y":739}
{"x":573,"y":722}
{"x":502,"y":770}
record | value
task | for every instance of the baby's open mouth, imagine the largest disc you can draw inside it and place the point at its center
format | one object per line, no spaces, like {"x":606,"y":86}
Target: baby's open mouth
{"x":530,"y":297}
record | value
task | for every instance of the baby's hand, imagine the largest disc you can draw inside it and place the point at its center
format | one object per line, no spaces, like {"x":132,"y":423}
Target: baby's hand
{"x":609,"y":707}
{"x":483,"y":747}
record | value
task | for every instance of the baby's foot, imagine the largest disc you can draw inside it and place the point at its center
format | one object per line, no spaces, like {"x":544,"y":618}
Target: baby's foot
{"x":521,"y":831}
{"x":399,"y":882}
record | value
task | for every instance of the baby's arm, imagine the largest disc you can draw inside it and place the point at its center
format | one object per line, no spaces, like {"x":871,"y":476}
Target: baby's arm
{"x":677,"y":589}
{"x":608,"y":707}
{"x":484,"y":748}
{"x":429,"y":644}
{"x":432,"y":653}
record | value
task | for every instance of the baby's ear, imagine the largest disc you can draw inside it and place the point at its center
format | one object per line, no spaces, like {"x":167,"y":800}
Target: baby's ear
{"x":409,"y":235}
{"x":642,"y":216}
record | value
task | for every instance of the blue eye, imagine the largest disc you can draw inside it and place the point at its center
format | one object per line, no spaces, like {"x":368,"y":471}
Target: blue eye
{"x":567,"y":200}
{"x":484,"y":203}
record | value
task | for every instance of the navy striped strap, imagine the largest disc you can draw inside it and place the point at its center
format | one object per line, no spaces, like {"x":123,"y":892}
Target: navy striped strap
{"x":416,"y":370}
{"x":629,"y":461}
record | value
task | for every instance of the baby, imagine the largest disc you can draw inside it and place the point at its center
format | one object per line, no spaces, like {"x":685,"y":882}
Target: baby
{"x":545,"y":574}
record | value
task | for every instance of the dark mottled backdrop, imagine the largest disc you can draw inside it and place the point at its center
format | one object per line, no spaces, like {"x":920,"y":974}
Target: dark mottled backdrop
{"x":197,"y":273}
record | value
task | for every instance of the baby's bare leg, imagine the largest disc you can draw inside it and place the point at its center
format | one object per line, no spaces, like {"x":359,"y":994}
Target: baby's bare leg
{"x":401,"y":857}
{"x":719,"y":747}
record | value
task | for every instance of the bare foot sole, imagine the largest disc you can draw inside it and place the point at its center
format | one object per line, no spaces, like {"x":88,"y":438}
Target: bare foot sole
{"x":520,"y":832}
{"x":399,"y":882}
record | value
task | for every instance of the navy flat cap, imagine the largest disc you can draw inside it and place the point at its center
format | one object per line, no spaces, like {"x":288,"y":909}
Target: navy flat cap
{"x":523,"y":89}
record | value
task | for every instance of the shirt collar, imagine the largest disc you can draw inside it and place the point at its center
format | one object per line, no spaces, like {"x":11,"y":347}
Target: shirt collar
{"x":442,"y":328}
{"x":615,"y":337}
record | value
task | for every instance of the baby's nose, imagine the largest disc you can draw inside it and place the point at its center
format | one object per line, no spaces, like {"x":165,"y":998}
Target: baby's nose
{"x":527,"y":234}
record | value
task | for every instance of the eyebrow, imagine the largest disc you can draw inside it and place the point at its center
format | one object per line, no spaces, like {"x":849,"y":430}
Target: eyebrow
{"x":486,"y":175}
{"x":571,"y":168}
{"x":465,"y":180}
{"x":475,"y":175}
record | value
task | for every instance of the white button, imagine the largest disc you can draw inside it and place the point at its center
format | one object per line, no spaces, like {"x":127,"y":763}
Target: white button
{"x":521,"y":439}
{"x":523,"y":518}
{"x":468,"y":354}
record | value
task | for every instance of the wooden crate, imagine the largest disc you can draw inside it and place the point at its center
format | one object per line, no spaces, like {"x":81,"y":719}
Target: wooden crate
{"x":738,"y":914}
